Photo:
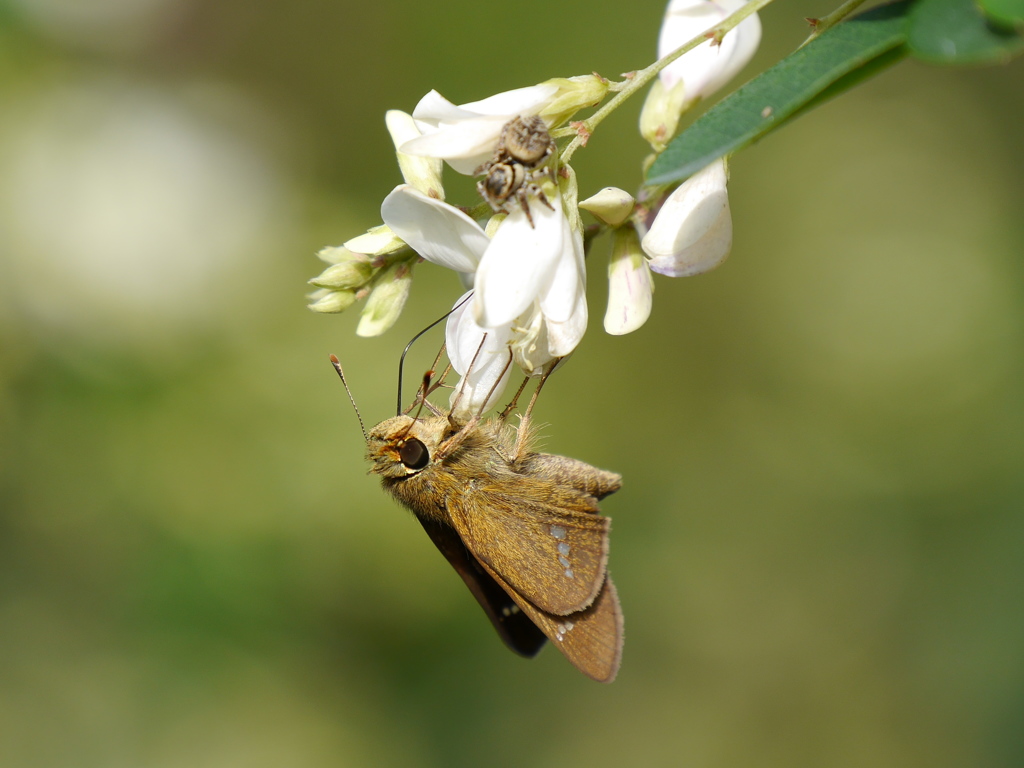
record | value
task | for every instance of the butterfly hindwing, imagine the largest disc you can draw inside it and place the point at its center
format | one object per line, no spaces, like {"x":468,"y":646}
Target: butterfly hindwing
{"x":590,"y":639}
{"x":572,"y":473}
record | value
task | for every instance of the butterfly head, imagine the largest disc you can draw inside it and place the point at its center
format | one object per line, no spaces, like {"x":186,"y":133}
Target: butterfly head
{"x":402,"y":446}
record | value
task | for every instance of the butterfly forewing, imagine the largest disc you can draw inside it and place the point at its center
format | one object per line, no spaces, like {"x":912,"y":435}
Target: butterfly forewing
{"x":554,"y":557}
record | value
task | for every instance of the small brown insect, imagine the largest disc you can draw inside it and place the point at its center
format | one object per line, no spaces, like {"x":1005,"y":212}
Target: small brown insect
{"x":519,"y":162}
{"x":521,"y":528}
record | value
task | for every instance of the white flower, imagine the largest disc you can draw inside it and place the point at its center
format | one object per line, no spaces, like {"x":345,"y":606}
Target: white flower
{"x":481,"y":356}
{"x":699,"y":72}
{"x":529,"y":262}
{"x":529,"y":285}
{"x":438,"y":232}
{"x":465,"y":136}
{"x":707,"y":67}
{"x":692,"y":232}
{"x":629,"y":285}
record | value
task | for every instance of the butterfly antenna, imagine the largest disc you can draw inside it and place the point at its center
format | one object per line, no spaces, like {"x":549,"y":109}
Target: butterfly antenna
{"x":341,"y":373}
{"x":422,"y":395}
{"x":401,"y":361}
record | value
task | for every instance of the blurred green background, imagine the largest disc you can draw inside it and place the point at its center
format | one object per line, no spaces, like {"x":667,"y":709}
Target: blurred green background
{"x":819,"y":540}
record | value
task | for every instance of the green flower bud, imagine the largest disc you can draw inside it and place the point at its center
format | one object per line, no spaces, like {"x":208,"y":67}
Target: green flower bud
{"x":334,"y":254}
{"x":345,"y":274}
{"x":331,"y":302}
{"x":386,"y":300}
{"x":660,"y":115}
{"x":573,"y":94}
{"x":629,"y":284}
{"x":611,"y":205}
{"x":378,"y":241}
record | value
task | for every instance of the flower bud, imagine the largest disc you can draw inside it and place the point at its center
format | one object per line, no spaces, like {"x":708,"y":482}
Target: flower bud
{"x":692,"y":232}
{"x":422,"y":173}
{"x":707,"y":67}
{"x":573,"y":94}
{"x":386,"y":300}
{"x":699,"y":72}
{"x":331,"y":302}
{"x":345,"y":274}
{"x":378,"y":241}
{"x":611,"y":205}
{"x":629,"y":284}
{"x":333,"y":254}
{"x":660,"y":115}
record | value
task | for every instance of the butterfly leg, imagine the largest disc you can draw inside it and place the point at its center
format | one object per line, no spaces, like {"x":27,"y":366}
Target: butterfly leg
{"x":523,"y":433}
{"x":515,"y":400}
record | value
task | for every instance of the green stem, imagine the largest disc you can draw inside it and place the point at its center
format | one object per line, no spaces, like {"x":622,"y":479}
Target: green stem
{"x":644,"y":76}
{"x":826,"y":23}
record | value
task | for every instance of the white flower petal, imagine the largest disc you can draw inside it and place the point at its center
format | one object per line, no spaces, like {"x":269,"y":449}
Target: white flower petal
{"x":465,"y":136}
{"x":519,"y":264}
{"x":692,"y":232}
{"x":521,"y":101}
{"x":564,"y":337}
{"x":482,"y":358}
{"x":708,"y":67}
{"x":423,"y":173}
{"x":629,"y":285}
{"x":559,"y":300}
{"x":437,"y":231}
{"x":466,"y":144}
{"x":433,"y":108}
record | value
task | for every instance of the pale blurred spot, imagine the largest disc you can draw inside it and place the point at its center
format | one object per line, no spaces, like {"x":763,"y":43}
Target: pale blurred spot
{"x":110,"y":25}
{"x":126,"y":212}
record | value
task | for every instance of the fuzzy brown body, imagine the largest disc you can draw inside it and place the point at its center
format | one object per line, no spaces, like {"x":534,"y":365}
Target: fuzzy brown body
{"x":522,"y":529}
{"x":519,"y":162}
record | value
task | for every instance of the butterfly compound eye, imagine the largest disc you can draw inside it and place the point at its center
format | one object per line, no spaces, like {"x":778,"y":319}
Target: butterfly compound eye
{"x":414,"y":454}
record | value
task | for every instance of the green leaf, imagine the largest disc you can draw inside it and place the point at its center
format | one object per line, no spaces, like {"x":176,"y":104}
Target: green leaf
{"x":1006,"y":12}
{"x":828,"y":65}
{"x":1009,"y":13}
{"x":957,"y":32}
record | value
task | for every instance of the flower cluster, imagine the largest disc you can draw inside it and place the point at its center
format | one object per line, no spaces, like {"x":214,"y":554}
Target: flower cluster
{"x":524,"y":267}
